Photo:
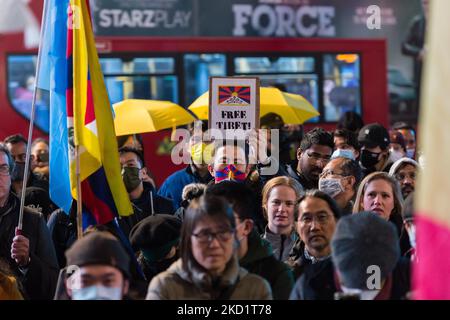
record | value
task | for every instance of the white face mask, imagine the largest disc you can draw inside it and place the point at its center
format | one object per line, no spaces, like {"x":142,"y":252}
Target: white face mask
{"x":331,"y":186}
{"x":97,"y":293}
{"x":396,"y":155}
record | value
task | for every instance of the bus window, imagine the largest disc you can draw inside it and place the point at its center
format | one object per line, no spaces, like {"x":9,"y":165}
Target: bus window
{"x":198,"y":68}
{"x":21,"y":81}
{"x":341,"y":88}
{"x":140,"y":78}
{"x":273,"y":65}
{"x":291,"y":74}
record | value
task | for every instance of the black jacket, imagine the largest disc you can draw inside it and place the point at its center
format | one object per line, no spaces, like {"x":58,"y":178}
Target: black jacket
{"x":39,"y":280}
{"x":318,"y":282}
{"x":289,"y":170}
{"x":143,"y":208}
{"x":261,"y":261}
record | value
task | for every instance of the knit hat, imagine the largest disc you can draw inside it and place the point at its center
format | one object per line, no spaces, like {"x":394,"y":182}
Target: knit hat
{"x":99,"y":248}
{"x":374,"y":135}
{"x":155,"y":235}
{"x":362,"y":240}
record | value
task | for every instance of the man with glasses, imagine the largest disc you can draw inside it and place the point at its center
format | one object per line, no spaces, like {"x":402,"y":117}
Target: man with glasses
{"x":313,"y":155}
{"x":318,"y":216}
{"x":30,"y":254}
{"x":340,"y":180}
{"x":404,"y":171}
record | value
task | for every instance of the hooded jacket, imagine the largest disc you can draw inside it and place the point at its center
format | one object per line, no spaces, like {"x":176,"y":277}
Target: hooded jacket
{"x":261,"y":261}
{"x":236,"y":283}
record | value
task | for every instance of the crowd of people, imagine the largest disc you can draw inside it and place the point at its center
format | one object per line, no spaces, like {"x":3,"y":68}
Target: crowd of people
{"x":335,"y":222}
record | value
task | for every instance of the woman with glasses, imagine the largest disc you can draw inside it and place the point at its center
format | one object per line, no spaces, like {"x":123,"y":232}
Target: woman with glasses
{"x":280,"y":196}
{"x":208,"y":268}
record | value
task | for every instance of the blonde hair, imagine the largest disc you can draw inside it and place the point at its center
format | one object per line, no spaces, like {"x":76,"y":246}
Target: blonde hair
{"x":396,"y":191}
{"x":281,"y":181}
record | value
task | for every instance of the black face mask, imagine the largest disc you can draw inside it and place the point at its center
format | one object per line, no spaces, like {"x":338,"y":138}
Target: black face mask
{"x":131,"y":179}
{"x":18,"y":171}
{"x":369,"y":159}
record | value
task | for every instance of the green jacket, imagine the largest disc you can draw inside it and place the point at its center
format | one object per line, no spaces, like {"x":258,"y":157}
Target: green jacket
{"x":261,"y":261}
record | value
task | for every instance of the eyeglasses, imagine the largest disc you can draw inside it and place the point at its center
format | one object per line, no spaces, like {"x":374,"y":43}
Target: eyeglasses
{"x":307,"y":219}
{"x":206,"y":236}
{"x":4,"y":170}
{"x":318,"y":157}
{"x":327,"y":173}
{"x":402,"y":176}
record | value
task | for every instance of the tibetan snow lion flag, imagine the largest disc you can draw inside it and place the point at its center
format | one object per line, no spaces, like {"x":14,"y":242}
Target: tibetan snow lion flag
{"x":431,"y":273}
{"x":90,"y":125}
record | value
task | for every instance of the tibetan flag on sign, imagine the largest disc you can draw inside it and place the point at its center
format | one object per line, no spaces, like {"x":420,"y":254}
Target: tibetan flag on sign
{"x":91,"y":127}
{"x":53,"y":77}
{"x":431,"y":273}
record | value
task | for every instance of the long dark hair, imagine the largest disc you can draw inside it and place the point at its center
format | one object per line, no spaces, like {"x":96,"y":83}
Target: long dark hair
{"x":209,"y":206}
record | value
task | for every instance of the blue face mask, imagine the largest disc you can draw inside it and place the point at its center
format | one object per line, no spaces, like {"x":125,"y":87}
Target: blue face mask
{"x":97,"y":293}
{"x":410,"y":153}
{"x":343,"y":153}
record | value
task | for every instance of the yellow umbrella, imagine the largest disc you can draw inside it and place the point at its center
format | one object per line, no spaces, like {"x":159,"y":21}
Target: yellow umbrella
{"x":292,"y":108}
{"x":134,"y":116}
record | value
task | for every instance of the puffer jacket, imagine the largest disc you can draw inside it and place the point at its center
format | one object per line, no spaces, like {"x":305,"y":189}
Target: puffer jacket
{"x":236,"y":283}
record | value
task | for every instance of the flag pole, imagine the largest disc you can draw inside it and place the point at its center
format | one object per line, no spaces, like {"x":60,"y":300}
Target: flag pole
{"x":31,"y":127}
{"x":79,"y":195}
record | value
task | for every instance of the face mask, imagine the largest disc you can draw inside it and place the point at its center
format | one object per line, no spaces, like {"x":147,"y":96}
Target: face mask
{"x":201,"y":153}
{"x":395,"y":155}
{"x":331,"y":186}
{"x":369,"y":159}
{"x":230,"y":172}
{"x":343,"y":153}
{"x":131,"y":179}
{"x":97,"y":293}
{"x":410,"y":153}
{"x":412,"y":235}
{"x":18,"y":171}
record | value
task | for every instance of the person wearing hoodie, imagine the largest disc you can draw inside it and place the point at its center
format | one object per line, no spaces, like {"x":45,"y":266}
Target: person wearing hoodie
{"x":404,"y":171}
{"x":142,"y":194}
{"x":209,"y":266}
{"x":255,"y":254}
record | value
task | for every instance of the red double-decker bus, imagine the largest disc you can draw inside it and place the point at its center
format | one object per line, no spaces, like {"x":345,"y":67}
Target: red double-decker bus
{"x":335,"y":75}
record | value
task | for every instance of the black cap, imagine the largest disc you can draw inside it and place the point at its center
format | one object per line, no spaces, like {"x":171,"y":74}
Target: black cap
{"x":99,"y":248}
{"x":155,"y":235}
{"x":374,"y":135}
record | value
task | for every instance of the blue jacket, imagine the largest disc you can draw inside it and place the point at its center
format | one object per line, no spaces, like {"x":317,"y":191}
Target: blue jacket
{"x":172,"y":187}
